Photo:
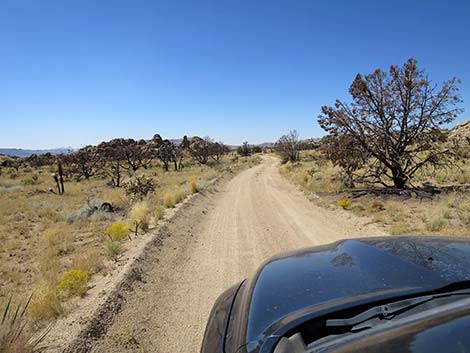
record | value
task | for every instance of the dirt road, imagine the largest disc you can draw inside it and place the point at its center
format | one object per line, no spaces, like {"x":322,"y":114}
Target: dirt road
{"x":219,"y":239}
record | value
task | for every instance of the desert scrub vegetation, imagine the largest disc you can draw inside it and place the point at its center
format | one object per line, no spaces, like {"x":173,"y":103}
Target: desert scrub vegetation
{"x":447,"y":212}
{"x":111,"y":192}
{"x":15,"y":329}
{"x":73,"y":282}
{"x":117,"y":231}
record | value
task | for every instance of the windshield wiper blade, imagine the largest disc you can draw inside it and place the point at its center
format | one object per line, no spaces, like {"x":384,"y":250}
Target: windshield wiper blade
{"x":388,"y":311}
{"x":384,"y":311}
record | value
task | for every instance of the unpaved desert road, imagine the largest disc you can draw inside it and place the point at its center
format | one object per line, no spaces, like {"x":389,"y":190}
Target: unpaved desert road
{"x":219,"y":239}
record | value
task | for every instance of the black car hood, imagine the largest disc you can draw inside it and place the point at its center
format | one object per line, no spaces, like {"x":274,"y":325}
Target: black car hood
{"x":291,"y":283}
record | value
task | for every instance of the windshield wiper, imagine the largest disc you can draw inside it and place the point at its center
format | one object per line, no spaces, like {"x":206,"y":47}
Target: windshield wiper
{"x":388,"y":311}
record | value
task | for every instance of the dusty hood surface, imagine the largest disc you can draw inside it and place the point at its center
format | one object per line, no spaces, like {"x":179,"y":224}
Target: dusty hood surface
{"x":315,"y":277}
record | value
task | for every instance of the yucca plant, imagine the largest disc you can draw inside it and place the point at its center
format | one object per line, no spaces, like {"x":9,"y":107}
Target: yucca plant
{"x":14,"y":338}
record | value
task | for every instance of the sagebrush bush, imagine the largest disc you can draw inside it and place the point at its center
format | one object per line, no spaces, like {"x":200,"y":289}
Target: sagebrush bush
{"x":344,"y":204}
{"x":117,"y":231}
{"x":73,"y":283}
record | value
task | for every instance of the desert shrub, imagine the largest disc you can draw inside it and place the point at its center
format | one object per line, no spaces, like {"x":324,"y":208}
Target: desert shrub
{"x":14,"y":337}
{"x":138,"y":187}
{"x":117,"y":231}
{"x":193,"y":185}
{"x":139,"y":216}
{"x":95,"y":210}
{"x":344,"y":204}
{"x":113,"y":249}
{"x":73,"y":283}
{"x":435,"y":224}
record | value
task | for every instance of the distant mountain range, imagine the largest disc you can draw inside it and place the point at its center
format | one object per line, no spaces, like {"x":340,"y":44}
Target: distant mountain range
{"x":18,"y":152}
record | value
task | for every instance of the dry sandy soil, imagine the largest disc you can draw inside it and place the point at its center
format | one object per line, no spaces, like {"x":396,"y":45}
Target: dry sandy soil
{"x":218,"y":239}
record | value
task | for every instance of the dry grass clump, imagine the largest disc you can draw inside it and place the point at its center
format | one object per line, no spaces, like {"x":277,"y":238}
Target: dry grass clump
{"x":313,"y":173}
{"x":159,"y":212}
{"x":172,"y":198}
{"x":436,"y":224}
{"x":46,"y":304}
{"x":113,"y":249}
{"x":463,"y":212}
{"x":59,"y":239}
{"x":140,"y":216}
{"x":90,"y":261}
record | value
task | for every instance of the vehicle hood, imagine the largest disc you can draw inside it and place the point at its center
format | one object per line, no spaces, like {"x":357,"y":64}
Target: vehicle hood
{"x":313,"y":279}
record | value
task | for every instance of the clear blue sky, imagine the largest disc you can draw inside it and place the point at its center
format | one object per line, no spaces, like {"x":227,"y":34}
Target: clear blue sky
{"x":77,"y":72}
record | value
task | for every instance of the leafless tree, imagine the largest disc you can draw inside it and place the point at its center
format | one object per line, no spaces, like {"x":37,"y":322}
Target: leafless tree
{"x":288,"y":147}
{"x":396,"y":119}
